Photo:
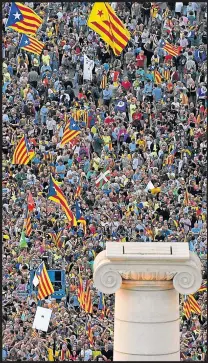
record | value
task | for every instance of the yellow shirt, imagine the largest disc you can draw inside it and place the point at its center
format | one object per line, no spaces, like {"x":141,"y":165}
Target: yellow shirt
{"x":50,"y":355}
{"x":96,"y":353}
{"x":46,"y":59}
{"x":107,"y":140}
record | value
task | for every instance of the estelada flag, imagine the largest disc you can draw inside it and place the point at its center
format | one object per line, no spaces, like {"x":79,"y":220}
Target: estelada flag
{"x":23,"y":19}
{"x":104,"y":21}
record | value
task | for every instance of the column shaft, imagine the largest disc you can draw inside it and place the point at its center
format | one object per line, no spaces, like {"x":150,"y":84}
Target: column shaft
{"x":146,"y":322}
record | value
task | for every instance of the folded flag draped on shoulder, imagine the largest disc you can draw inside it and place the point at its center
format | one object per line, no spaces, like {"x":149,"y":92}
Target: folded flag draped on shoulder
{"x":22,"y":154}
{"x":71,"y":131}
{"x":23,"y":19}
{"x":55,"y":193}
{"x":170,"y":48}
{"x":89,"y":333}
{"x":78,"y":192}
{"x":88,"y":299}
{"x":158,"y":77}
{"x":56,"y":237}
{"x":45,"y":287}
{"x":81,"y":292}
{"x":104,"y":82}
{"x":103,"y":179}
{"x":79,"y":217}
{"x":28,"y":225}
{"x":186,"y":198}
{"x":166,"y":73}
{"x":31,"y":44}
{"x":104,"y":21}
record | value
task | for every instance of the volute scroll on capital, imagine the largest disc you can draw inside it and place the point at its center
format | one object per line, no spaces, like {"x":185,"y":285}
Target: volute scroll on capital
{"x":108,"y":272}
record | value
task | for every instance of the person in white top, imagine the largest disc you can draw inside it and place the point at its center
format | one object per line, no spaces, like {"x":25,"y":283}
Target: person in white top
{"x":178,"y":8}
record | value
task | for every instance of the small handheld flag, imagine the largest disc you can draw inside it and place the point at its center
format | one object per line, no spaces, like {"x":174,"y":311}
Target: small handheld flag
{"x":71,"y":131}
{"x":45,"y":287}
{"x":31,"y":44}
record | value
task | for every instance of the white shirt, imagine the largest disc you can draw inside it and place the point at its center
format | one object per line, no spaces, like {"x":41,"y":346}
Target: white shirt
{"x":86,"y":354}
{"x":178,"y":7}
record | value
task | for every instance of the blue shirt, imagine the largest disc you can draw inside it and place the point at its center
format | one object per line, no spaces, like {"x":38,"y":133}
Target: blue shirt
{"x":157,"y":93}
{"x":60,"y":169}
{"x":107,"y":94}
{"x":132,"y":147}
{"x":148,"y":89}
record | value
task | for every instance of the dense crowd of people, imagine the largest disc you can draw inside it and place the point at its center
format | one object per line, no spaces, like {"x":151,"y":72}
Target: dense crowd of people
{"x":150,"y":134}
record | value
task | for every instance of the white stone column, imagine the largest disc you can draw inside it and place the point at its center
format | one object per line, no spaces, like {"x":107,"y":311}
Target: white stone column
{"x":146,"y":280}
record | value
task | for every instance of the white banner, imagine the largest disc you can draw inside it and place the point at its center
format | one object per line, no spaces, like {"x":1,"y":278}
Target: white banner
{"x":42,"y":319}
{"x":88,"y":67}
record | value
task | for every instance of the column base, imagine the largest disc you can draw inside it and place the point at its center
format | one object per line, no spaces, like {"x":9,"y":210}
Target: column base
{"x":118,"y":356}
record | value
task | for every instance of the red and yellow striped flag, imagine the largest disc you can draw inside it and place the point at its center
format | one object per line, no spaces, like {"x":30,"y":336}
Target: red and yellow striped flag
{"x":104,"y":21}
{"x":89,"y":333}
{"x":158,"y":77}
{"x":81,"y":292}
{"x":31,"y":44}
{"x":21,"y":155}
{"x":202,"y":288}
{"x":194,"y":306}
{"x":85,"y":116}
{"x":23,"y":19}
{"x":28,"y":225}
{"x":45,"y":287}
{"x":104,"y":82}
{"x":78,"y":192}
{"x":186,"y":198}
{"x":166,"y":74}
{"x":88,"y":299}
{"x":187,"y":309}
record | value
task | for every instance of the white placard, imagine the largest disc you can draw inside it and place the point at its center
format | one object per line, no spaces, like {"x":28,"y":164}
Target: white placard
{"x":42,"y":319}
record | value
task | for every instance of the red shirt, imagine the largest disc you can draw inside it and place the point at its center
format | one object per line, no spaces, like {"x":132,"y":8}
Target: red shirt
{"x":108,"y":120}
{"x":140,"y":60}
{"x":126,"y":85}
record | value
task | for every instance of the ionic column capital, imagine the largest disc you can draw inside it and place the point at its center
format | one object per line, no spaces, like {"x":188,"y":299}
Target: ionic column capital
{"x":147,"y":262}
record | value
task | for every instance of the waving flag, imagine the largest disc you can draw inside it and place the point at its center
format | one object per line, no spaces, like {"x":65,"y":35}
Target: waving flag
{"x":104,"y":21}
{"x":23,"y":19}
{"x":71,"y":131}
{"x":30,"y":202}
{"x":195,"y":308}
{"x":170,"y":48}
{"x":103,"y":179}
{"x":187,"y":308}
{"x":55,"y":193}
{"x":31,"y":44}
{"x":21,"y":153}
{"x":45,"y":287}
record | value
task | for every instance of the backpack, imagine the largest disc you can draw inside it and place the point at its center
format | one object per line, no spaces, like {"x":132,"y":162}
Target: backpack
{"x":182,"y":60}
